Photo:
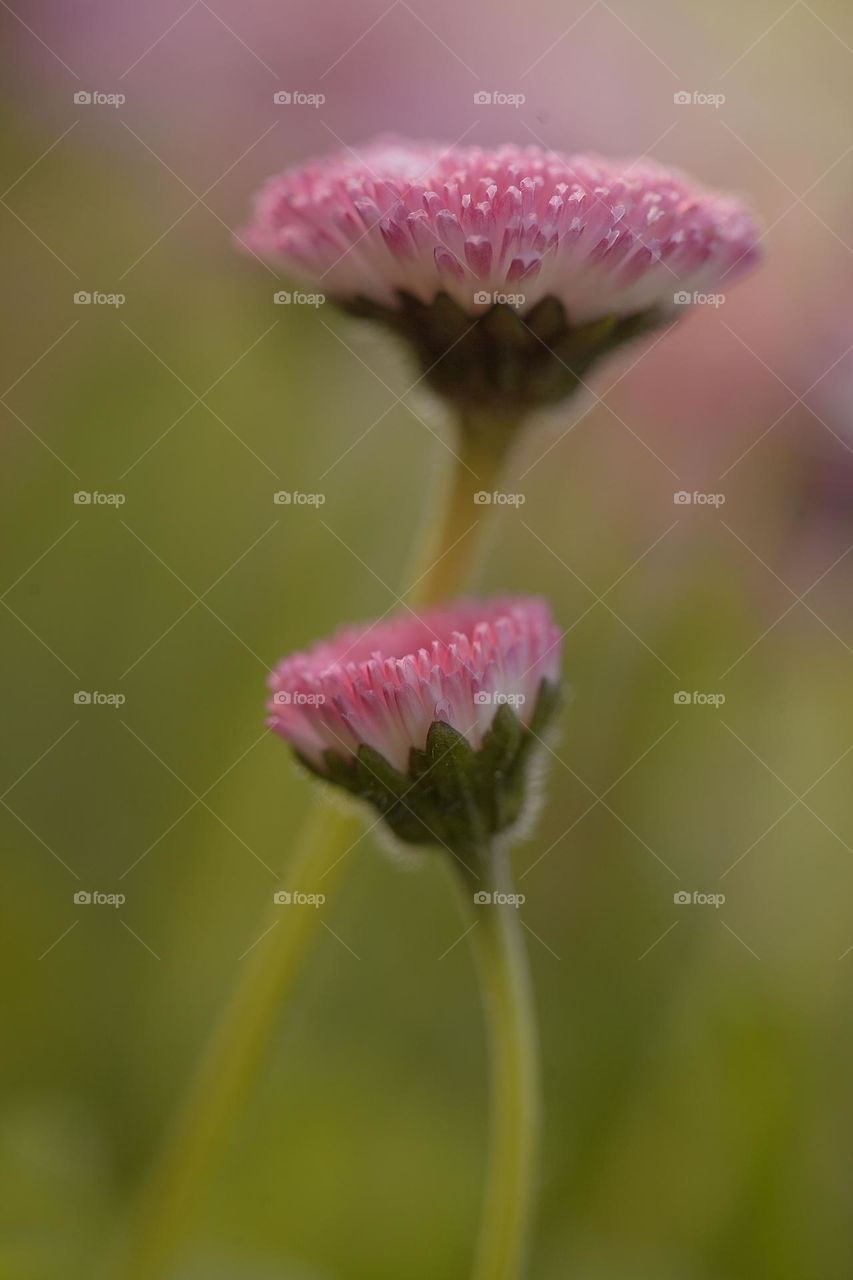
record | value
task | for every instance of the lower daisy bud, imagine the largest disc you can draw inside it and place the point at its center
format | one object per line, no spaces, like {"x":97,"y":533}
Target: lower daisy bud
{"x":433,"y":719}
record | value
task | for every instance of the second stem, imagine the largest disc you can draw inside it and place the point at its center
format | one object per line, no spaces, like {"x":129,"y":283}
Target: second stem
{"x":501,"y":956}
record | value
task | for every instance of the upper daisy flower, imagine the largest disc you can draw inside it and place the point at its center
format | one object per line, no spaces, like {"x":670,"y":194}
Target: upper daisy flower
{"x":429,"y":718}
{"x":510,"y":271}
{"x":603,"y":237}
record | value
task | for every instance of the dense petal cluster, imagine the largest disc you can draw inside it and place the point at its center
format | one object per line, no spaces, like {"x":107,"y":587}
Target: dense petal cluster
{"x":605,"y":238}
{"x":383,"y":686}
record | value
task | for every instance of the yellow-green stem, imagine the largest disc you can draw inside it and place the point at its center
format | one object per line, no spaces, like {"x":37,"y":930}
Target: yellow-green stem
{"x":228,"y":1066}
{"x":166,"y":1208}
{"x":501,"y":955}
{"x":448,"y":560}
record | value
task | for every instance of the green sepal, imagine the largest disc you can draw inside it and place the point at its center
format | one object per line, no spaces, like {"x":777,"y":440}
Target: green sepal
{"x":388,"y":790}
{"x":452,"y":779}
{"x":547,"y":319}
{"x":499,"y":790}
{"x":451,"y":795}
{"x":544,"y":710}
{"x":501,"y":362}
{"x":342,"y":772}
{"x":545,"y":707}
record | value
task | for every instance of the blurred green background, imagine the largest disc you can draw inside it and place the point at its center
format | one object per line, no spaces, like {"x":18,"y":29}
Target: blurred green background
{"x":696,"y":1058}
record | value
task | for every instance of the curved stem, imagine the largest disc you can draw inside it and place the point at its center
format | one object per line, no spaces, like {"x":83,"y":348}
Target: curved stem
{"x":229,"y":1064}
{"x":501,"y":956}
{"x":231,"y":1059}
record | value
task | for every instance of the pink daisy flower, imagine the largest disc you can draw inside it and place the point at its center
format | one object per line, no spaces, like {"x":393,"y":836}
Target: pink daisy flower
{"x":431,"y":718}
{"x":603,"y":237}
{"x":510,"y":271}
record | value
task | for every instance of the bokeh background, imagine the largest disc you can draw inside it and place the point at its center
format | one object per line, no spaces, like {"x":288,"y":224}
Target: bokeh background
{"x":696,"y":1058}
